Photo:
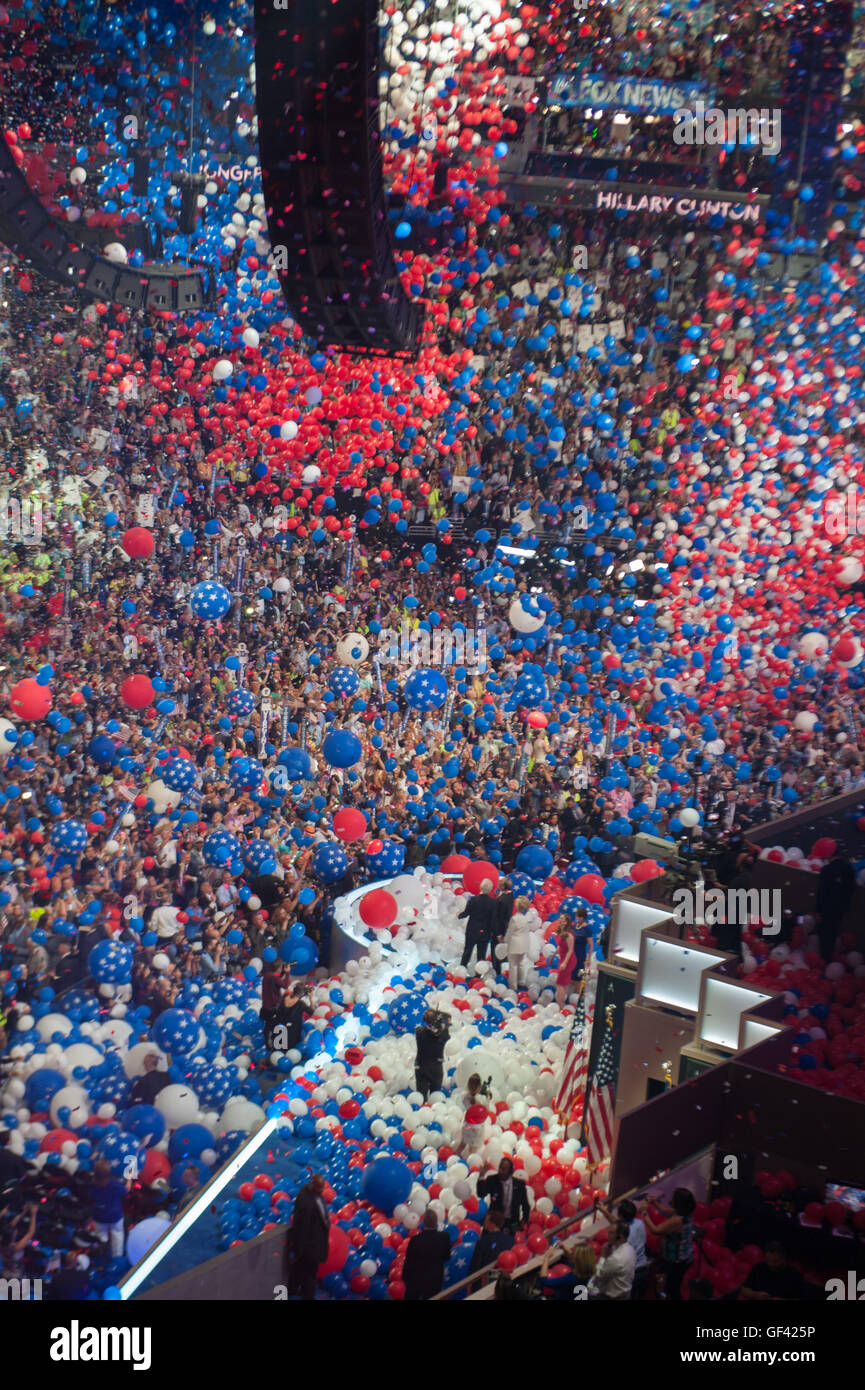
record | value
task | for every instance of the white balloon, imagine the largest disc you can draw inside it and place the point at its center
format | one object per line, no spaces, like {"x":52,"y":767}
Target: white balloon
{"x":813,"y":644}
{"x":353,"y":649}
{"x":82,"y":1055}
{"x":163,"y":798}
{"x":53,"y":1023}
{"x":223,"y":370}
{"x":243,"y":1115}
{"x":178,"y":1105}
{"x":73,"y":1098}
{"x":522,"y":621}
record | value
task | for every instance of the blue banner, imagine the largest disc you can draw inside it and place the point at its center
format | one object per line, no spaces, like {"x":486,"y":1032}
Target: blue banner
{"x":593,"y":90}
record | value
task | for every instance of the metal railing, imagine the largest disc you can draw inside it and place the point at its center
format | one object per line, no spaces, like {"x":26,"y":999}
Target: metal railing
{"x":531,"y":1265}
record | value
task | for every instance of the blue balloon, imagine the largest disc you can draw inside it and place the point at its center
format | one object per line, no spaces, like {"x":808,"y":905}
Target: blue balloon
{"x":426,"y":689}
{"x":386,"y":1182}
{"x":110,"y":962}
{"x":176,"y":1030}
{"x":536,"y":861}
{"x":210,"y":600}
{"x":341,"y":748}
{"x":145,"y":1122}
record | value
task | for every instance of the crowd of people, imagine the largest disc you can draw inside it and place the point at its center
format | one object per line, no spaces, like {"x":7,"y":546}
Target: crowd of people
{"x":643,"y":475}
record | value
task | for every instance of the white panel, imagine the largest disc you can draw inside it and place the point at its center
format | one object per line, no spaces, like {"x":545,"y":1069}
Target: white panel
{"x":671,"y":973}
{"x":755,"y":1032}
{"x":631,"y":920}
{"x":723,"y":1006}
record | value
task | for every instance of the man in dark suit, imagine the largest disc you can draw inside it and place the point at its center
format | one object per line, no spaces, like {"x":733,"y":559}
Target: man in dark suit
{"x":310,"y":1225}
{"x":506,"y":1193}
{"x":504,"y":911}
{"x":146,"y":1088}
{"x":431,"y":1037}
{"x":480,"y":915}
{"x":425,"y":1259}
{"x":836,"y":885}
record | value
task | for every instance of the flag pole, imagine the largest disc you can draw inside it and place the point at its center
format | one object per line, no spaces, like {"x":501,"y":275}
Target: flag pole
{"x":563,"y":1110}
{"x":591,"y":1168}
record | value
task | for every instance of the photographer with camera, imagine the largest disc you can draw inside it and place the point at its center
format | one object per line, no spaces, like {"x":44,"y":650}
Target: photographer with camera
{"x":474,"y":1099}
{"x":431,"y":1037}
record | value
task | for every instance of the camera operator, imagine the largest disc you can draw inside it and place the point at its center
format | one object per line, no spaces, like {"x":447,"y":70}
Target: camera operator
{"x":431,"y":1037}
{"x":474,"y":1100}
{"x":286,"y":1025}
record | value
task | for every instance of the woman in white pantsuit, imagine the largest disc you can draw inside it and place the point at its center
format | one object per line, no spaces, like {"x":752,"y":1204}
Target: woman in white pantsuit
{"x":517,"y":940}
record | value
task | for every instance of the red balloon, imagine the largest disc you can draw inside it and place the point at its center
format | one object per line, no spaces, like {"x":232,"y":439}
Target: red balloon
{"x":458,"y":863}
{"x":156,"y":1165}
{"x":338,"y":1246}
{"x":844,"y":649}
{"x":824,"y":848}
{"x":396,"y":1289}
{"x":378,"y":909}
{"x":836,"y":1212}
{"x":507,"y":1261}
{"x":644,"y":869}
{"x":54,"y":1140}
{"x":138,"y":692}
{"x":245,"y":1191}
{"x":590,"y":887}
{"x":374,"y":847}
{"x":475,"y":874}
{"x":138,"y":542}
{"x":349,"y":824}
{"x":30,"y":700}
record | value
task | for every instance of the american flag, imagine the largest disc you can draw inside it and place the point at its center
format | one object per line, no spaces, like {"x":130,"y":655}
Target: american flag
{"x":575,"y":1065}
{"x":599,"y":1116}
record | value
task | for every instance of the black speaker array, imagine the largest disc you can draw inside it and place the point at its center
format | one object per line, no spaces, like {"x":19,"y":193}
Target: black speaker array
{"x":321,"y":156}
{"x":27,"y":227}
